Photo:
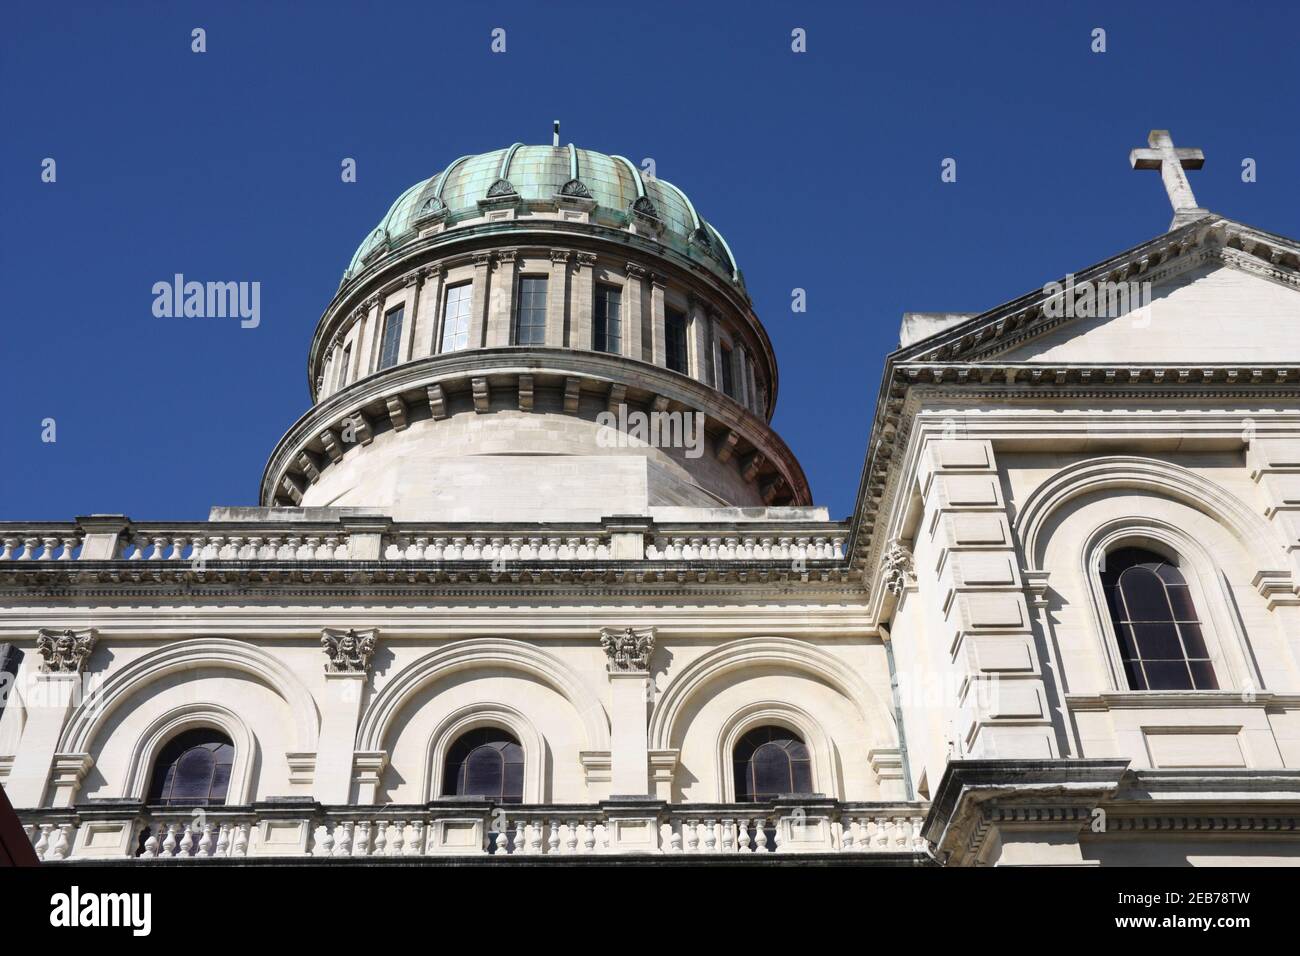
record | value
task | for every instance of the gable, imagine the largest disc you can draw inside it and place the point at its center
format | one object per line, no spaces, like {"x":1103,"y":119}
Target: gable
{"x":1209,"y":314}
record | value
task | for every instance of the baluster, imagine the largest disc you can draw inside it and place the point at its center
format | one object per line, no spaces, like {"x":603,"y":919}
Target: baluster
{"x":848,"y":834}
{"x":521,"y":838}
{"x":362,"y":847}
{"x":169,"y":841}
{"x":881,"y":836}
{"x":241,"y":841}
{"x":43,"y":841}
{"x":571,"y":837}
{"x":535,"y":837}
{"x":760,"y":834}
{"x":325,"y":842}
{"x":399,"y":832}
{"x":343,"y":838}
{"x":589,"y":837}
{"x":381,"y":837}
{"x":742,"y":837}
{"x":728,"y":836}
{"x":692,"y":836}
{"x":205,"y":841}
{"x":415,"y":846}
{"x":710,"y":836}
{"x":187,"y":842}
{"x":553,"y":837}
{"x":62,"y":843}
{"x":151,"y":845}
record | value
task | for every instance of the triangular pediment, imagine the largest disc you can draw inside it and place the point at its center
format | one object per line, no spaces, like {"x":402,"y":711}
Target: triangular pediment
{"x":1214,"y":291}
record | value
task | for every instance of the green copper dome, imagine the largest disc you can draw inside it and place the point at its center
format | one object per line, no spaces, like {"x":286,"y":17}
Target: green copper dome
{"x":535,"y":176}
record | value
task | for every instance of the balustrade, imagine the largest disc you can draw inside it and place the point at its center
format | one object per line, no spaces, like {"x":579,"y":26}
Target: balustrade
{"x":508,"y":831}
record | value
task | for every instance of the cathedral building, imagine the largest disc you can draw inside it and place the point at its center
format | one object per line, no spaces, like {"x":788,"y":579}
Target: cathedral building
{"x":534,"y":576}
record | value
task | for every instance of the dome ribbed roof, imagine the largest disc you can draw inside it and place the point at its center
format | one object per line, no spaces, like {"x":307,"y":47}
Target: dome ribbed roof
{"x":540,"y":173}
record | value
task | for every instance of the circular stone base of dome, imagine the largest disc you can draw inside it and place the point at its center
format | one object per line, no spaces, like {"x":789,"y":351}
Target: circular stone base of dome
{"x":512,"y":466}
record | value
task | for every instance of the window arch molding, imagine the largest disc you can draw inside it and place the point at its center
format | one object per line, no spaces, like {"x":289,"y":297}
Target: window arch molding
{"x":775,"y":713}
{"x":1124,"y":473}
{"x":476,"y":717}
{"x":1221,"y":625}
{"x":164,"y":729}
{"x":670,"y":716}
{"x":84,"y":724}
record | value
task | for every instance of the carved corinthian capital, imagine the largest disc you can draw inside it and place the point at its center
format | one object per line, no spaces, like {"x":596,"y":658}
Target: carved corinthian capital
{"x":349,"y":651}
{"x":64,"y":652}
{"x":896,"y":568}
{"x":628,"y":648}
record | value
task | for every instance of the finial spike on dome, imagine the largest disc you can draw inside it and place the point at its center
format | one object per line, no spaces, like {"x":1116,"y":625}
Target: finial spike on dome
{"x":555,"y":134}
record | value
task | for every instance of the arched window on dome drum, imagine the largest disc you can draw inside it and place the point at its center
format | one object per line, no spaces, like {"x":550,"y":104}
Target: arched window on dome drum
{"x":344,"y":362}
{"x":726,"y":359}
{"x":606,"y":331}
{"x":455,"y":318}
{"x":485,"y":763}
{"x":1159,"y":633}
{"x":771,"y":762}
{"x":675,"y":340}
{"x":530,"y":317}
{"x":193,"y":769}
{"x":391,"y":345}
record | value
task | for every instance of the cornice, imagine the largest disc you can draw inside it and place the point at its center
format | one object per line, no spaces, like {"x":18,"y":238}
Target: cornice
{"x":405,"y":580}
{"x":456,"y":369}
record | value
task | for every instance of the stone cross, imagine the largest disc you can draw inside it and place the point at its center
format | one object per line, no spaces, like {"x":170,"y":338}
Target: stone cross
{"x":1171,"y":162}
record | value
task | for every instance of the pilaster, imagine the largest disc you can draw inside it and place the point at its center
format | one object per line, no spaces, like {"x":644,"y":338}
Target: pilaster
{"x":501,"y":310}
{"x":1274,"y":465}
{"x":658,"y":319}
{"x":479,"y":300}
{"x":580,"y":309}
{"x":557,"y":297}
{"x":629,"y":650}
{"x":1001,"y":706}
{"x":634,"y":310}
{"x":347,"y":671}
{"x":49,"y":700}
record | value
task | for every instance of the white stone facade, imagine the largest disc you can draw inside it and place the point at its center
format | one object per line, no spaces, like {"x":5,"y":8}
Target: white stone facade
{"x":947,"y":657}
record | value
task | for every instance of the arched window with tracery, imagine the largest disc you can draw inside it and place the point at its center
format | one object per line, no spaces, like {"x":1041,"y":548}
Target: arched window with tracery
{"x":193,"y":769}
{"x":1161,"y":643}
{"x":771,"y":762}
{"x":485,"y":763}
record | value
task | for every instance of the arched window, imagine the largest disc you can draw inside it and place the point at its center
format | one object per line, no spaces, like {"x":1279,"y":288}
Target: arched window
{"x":1160,"y":639}
{"x":771,"y":762}
{"x":485,"y":763}
{"x":193,"y":769}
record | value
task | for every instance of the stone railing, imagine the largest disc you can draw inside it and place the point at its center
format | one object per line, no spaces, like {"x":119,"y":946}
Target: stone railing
{"x":757,"y":546}
{"x":116,"y":538}
{"x":436,"y":546}
{"x":176,"y":544}
{"x":459,"y":829}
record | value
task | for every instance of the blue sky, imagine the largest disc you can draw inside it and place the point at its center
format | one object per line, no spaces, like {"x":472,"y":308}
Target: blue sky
{"x":822,"y":170}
